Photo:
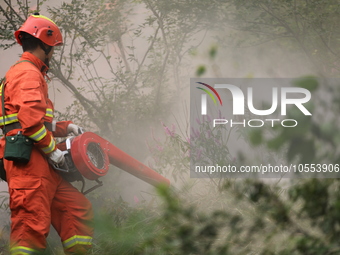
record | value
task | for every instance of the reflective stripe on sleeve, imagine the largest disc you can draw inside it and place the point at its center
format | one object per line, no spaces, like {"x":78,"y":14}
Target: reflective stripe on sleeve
{"x":40,"y":134}
{"x":50,"y":147}
{"x":22,"y":250}
{"x":49,"y":112}
{"x":11,"y":118}
{"x":74,"y":240}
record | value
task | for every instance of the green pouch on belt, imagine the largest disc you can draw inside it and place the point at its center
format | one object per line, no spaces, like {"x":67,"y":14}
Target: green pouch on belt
{"x":18,"y":148}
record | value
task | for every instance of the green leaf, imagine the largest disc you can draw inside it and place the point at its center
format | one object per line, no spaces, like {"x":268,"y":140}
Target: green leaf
{"x":213,"y":51}
{"x":310,"y":83}
{"x":200,"y":70}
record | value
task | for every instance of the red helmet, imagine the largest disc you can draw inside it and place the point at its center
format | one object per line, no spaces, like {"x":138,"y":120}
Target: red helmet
{"x":42,"y":28}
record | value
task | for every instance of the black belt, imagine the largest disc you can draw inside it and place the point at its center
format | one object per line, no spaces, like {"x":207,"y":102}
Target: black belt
{"x":17,"y":125}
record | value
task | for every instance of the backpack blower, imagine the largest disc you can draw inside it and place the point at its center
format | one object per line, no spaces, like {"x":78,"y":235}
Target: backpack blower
{"x":89,"y":155}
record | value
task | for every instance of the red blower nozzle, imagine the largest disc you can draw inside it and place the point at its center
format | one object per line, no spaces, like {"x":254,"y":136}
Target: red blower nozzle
{"x":91,"y":156}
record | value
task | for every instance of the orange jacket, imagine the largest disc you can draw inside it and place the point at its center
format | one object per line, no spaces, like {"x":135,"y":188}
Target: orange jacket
{"x":27,"y":102}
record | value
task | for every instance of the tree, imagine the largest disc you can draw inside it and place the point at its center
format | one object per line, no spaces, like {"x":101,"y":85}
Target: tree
{"x":119,"y":86}
{"x":246,"y":216}
{"x":306,"y":27}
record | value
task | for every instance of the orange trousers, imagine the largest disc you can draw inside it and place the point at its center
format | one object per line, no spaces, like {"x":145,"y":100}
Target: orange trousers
{"x":39,"y":197}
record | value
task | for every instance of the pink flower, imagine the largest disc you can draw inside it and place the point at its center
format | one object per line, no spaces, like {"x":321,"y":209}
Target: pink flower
{"x":136,"y":199}
{"x":168,"y":131}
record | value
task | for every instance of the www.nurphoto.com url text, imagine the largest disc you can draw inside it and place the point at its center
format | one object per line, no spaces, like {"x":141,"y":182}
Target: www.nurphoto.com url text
{"x":268,"y":168}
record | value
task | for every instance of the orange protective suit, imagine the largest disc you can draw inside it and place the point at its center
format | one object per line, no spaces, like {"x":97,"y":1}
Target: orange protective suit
{"x":39,"y":196}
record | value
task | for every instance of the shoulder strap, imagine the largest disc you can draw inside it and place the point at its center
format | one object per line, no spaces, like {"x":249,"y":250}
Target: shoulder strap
{"x":25,"y":60}
{"x":3,"y":82}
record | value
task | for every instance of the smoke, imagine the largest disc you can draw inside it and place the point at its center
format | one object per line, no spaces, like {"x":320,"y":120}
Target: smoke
{"x":132,"y":126}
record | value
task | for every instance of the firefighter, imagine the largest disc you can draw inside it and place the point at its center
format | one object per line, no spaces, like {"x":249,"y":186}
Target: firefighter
{"x":39,"y":196}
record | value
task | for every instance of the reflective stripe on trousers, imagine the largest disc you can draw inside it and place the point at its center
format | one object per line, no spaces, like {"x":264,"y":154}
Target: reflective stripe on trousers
{"x":22,"y":250}
{"x":74,"y":240}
